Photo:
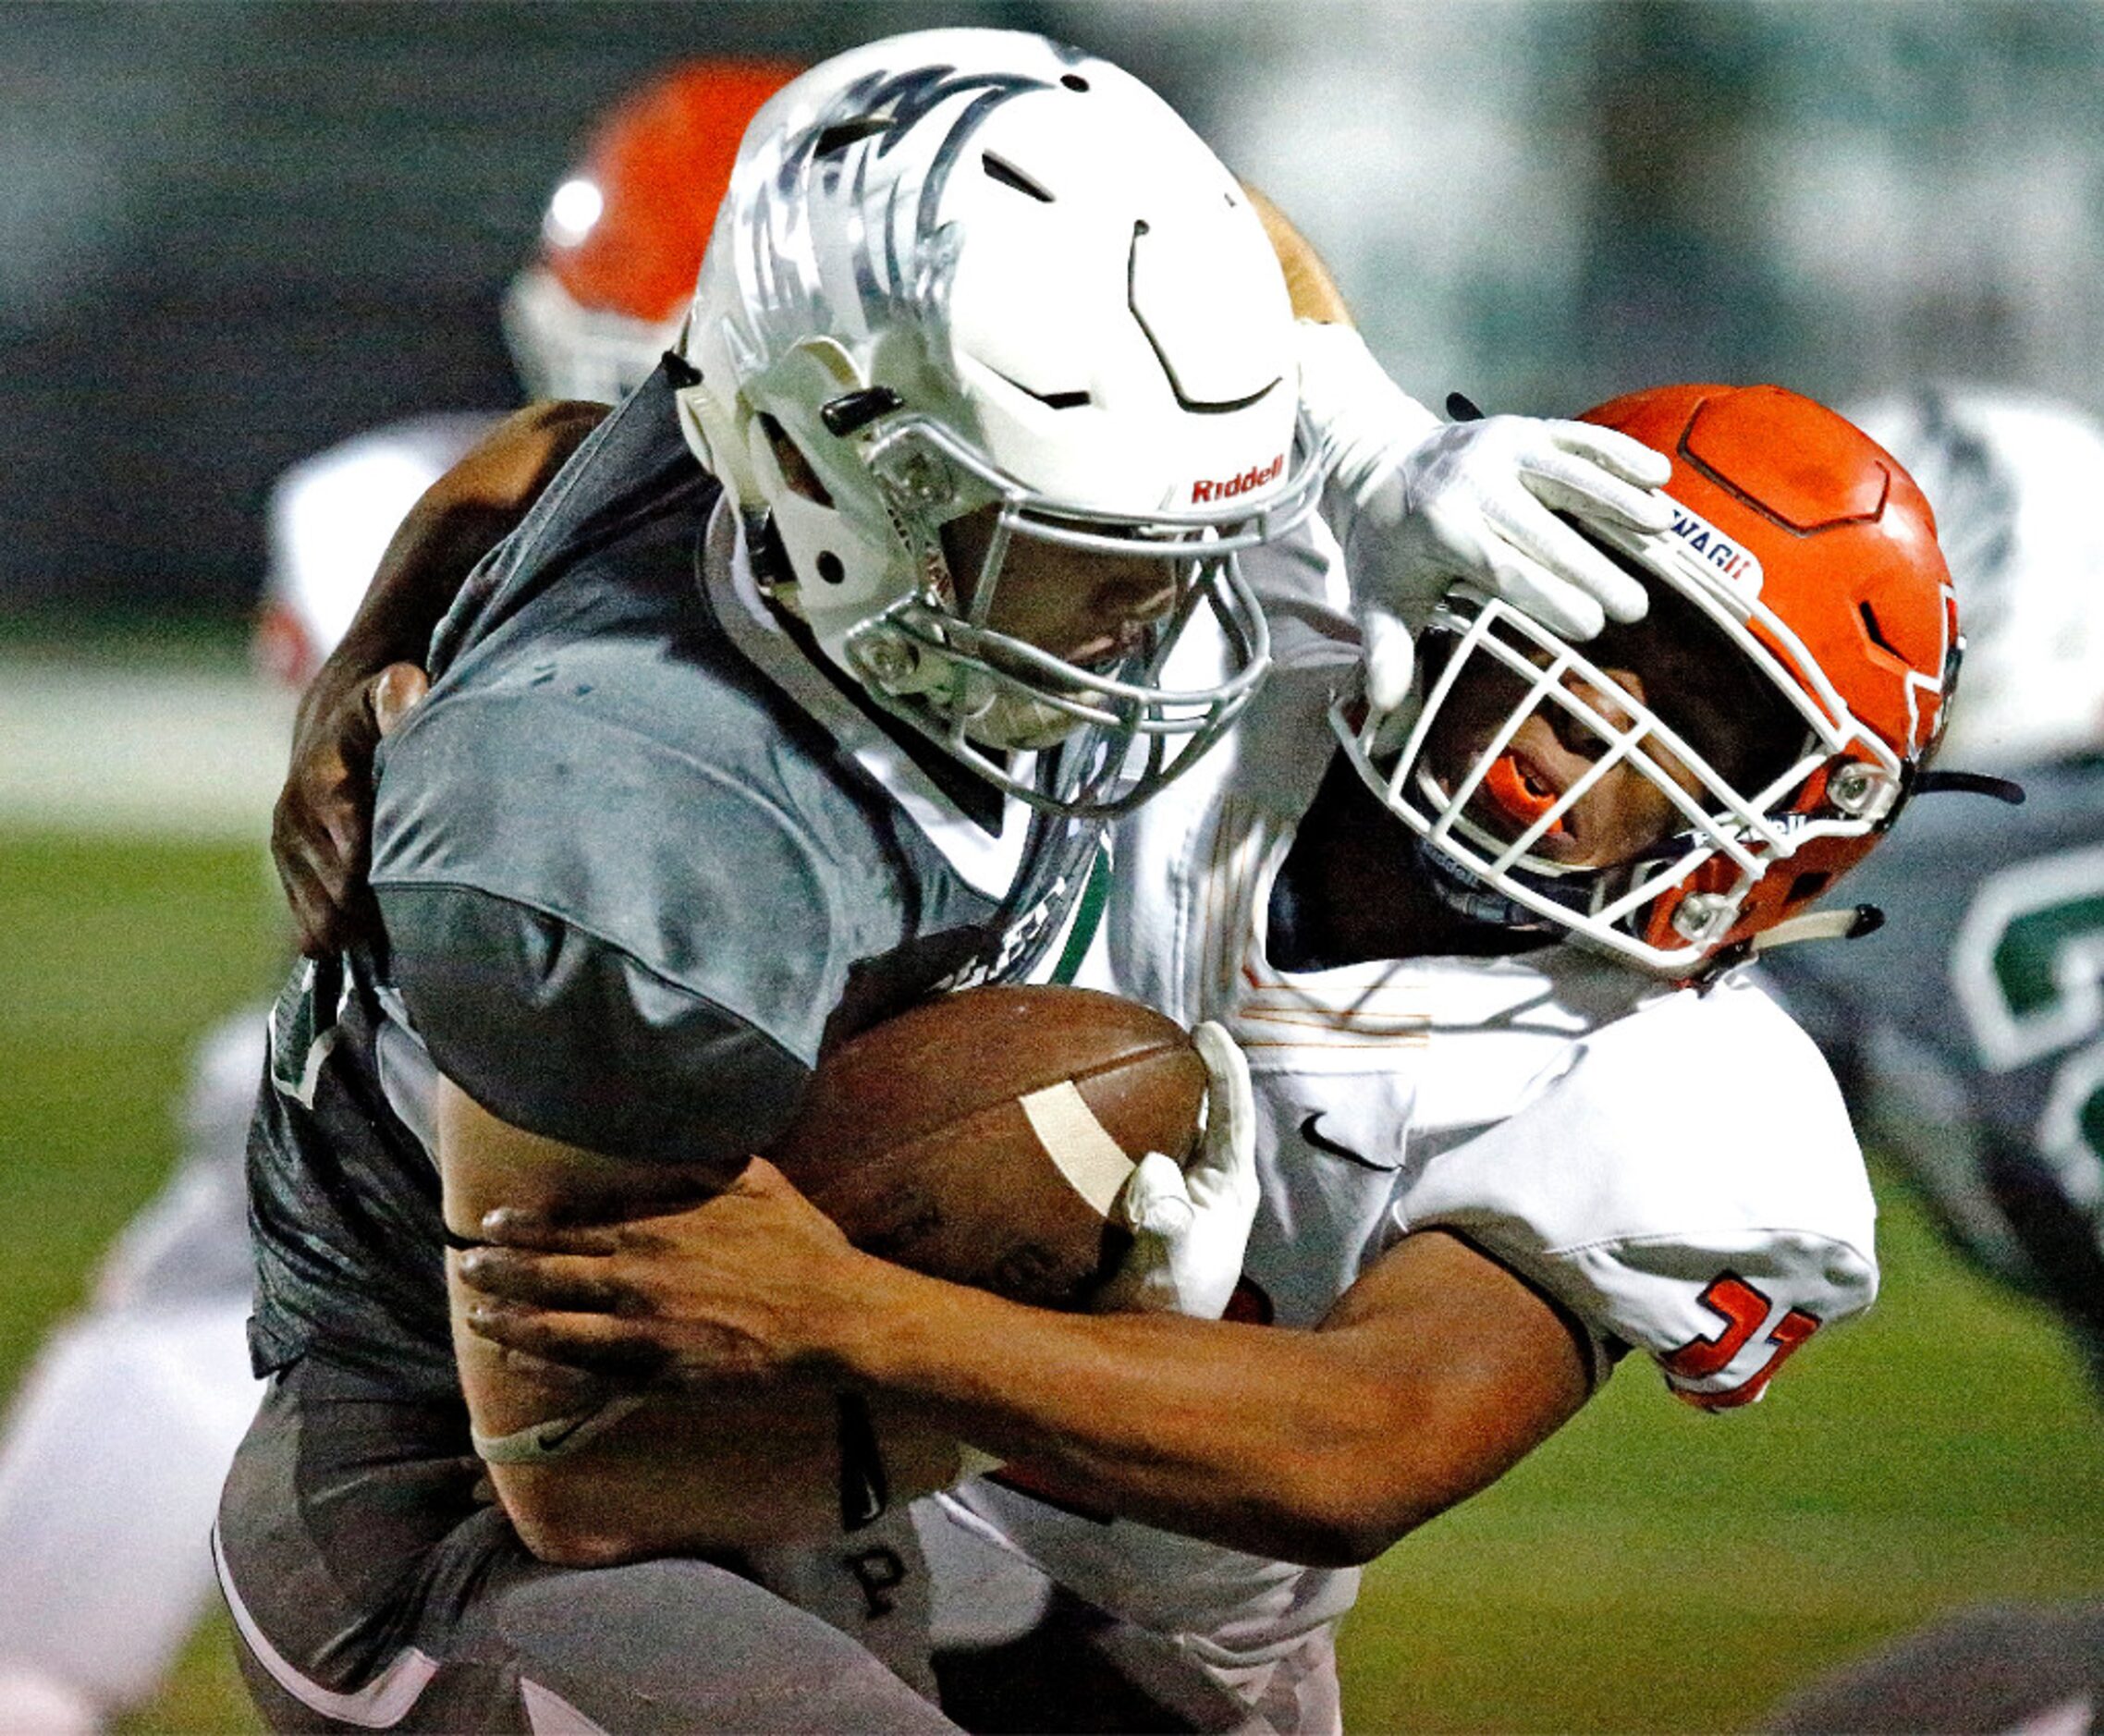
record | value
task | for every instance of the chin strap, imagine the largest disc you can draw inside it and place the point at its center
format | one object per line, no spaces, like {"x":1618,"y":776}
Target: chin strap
{"x":1969,"y":784}
{"x":1467,"y":896}
{"x":1849,"y":923}
{"x":1852,"y":922}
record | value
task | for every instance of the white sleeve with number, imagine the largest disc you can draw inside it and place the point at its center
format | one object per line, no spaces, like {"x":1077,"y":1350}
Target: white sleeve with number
{"x":1687,"y":1185}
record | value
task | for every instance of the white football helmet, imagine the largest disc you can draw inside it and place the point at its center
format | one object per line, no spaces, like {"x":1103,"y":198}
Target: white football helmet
{"x":965,"y":270}
{"x":2015,"y":483}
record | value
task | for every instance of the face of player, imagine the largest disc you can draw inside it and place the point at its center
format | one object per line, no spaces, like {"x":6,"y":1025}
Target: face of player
{"x":1083,"y":606}
{"x":1623,"y":815}
{"x":1690,"y":679}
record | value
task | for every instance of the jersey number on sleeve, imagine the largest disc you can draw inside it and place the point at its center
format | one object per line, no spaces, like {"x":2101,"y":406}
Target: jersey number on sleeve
{"x":1742,"y":1309}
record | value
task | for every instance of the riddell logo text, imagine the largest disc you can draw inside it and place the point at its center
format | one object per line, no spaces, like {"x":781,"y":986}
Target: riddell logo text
{"x":1202,"y":494}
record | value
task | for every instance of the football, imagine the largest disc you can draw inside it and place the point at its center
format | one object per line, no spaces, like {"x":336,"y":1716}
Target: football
{"x":983,"y":1137}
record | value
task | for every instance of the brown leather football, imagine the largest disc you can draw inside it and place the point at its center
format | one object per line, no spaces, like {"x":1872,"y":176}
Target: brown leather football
{"x":982,"y":1136}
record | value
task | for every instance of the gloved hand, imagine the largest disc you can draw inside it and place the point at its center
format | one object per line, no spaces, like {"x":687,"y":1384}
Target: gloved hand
{"x":1191,"y":1227}
{"x":1419,"y":503}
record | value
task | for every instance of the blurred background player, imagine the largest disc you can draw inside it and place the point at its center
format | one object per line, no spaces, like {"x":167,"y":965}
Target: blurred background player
{"x":624,"y":232}
{"x":1969,"y":1034}
{"x":121,"y":1432}
{"x":621,"y":242}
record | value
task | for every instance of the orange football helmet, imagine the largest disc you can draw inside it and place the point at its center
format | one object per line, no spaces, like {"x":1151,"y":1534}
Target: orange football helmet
{"x":622,"y":239}
{"x":1813,"y":555}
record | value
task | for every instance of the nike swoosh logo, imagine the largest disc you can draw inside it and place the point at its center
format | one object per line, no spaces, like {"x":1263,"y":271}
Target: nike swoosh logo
{"x":1309,"y":1133}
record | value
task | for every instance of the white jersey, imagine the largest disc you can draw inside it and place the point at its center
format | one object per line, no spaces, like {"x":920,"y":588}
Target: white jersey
{"x":331,"y":518}
{"x":1560,"y":1111}
{"x":191,"y":1242}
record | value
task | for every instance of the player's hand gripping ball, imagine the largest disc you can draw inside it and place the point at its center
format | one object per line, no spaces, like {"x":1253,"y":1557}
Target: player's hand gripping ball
{"x":997,"y":1137}
{"x":1031,"y":1142}
{"x":1190,"y":1223}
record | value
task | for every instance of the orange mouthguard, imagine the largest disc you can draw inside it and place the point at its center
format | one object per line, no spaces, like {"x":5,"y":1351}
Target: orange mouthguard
{"x":1509,"y":789}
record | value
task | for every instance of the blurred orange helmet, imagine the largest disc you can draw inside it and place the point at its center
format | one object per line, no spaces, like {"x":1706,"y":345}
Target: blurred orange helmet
{"x":623,"y":236}
{"x":1810,"y":560}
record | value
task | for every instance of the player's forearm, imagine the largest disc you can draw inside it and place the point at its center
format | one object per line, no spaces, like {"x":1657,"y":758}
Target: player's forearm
{"x":1435,"y":1373}
{"x":1287,"y":1443}
{"x":589,"y":1479}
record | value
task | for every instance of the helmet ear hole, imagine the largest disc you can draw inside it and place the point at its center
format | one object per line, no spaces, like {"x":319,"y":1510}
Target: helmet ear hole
{"x":1808,"y":886}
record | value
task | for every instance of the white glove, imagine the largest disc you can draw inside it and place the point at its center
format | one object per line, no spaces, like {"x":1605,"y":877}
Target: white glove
{"x":1191,"y":1227}
{"x":1419,"y":503}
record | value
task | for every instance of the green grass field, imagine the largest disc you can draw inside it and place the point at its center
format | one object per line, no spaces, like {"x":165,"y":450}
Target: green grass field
{"x":1652,"y":1569}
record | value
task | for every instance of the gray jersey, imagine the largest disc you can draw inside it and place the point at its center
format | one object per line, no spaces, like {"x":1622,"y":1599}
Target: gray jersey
{"x":638,"y":866}
{"x":1969,"y":1032}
